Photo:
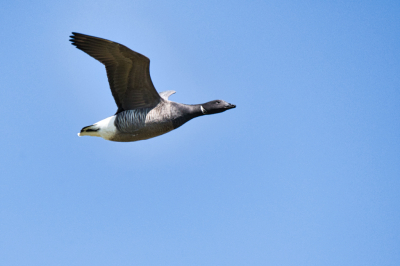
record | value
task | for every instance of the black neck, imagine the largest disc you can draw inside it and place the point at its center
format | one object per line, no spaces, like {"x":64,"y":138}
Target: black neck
{"x":181,"y":113}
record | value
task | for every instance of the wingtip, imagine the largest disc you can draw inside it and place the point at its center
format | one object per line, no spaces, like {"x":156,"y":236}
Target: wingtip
{"x":74,"y":35}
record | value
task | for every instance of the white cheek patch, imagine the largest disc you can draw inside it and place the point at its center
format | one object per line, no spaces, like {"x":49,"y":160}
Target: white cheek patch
{"x":203,"y":110}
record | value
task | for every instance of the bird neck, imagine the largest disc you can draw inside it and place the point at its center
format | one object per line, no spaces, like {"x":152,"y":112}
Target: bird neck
{"x":182,"y":113}
{"x":194,"y":110}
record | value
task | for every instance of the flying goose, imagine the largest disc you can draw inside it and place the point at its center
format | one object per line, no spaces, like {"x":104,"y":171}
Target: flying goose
{"x":142,"y":113}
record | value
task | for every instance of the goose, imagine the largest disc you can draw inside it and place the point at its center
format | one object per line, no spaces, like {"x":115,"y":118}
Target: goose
{"x":142,"y":112}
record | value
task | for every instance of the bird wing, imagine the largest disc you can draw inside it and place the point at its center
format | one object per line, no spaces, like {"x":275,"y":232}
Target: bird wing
{"x":127,"y":71}
{"x":165,"y":94}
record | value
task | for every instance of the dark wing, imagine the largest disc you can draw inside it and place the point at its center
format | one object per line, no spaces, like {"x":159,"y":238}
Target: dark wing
{"x":128,"y":71}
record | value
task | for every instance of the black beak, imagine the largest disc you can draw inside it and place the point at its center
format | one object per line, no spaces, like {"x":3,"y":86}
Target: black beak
{"x":230,"y":106}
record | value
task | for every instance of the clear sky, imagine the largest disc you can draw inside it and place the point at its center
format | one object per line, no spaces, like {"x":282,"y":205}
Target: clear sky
{"x":305,"y":171}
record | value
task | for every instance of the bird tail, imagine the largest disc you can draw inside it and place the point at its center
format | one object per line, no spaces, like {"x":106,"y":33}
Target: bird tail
{"x":92,"y":130}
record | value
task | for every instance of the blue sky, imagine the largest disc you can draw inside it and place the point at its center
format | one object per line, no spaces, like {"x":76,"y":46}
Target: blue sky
{"x":305,"y":171}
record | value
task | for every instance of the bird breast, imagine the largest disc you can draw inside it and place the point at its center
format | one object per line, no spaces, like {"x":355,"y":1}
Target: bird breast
{"x":143,"y":123}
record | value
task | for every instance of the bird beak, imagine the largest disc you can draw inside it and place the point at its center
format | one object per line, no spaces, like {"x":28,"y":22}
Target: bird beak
{"x":230,"y":106}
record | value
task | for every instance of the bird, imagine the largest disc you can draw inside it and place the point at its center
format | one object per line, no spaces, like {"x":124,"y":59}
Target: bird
{"x":142,"y":112}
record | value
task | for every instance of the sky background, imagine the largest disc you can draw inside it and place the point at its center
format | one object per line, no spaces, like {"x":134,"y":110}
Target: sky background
{"x":305,"y":171}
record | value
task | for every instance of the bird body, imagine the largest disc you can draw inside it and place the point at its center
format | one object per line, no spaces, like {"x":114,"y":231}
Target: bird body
{"x":142,"y":112}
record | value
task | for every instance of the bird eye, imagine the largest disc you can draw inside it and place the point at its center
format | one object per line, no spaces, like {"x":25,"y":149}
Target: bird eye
{"x":218,"y":102}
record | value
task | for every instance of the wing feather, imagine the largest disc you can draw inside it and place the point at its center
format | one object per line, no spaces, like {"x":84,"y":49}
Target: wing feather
{"x":128,"y":72}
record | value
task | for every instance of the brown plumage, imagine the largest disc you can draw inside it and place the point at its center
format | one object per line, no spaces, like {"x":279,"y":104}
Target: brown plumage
{"x":142,"y":112}
{"x":127,"y":71}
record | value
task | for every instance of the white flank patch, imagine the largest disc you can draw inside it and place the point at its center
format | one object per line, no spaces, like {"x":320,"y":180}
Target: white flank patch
{"x":203,"y":110}
{"x":107,"y":127}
